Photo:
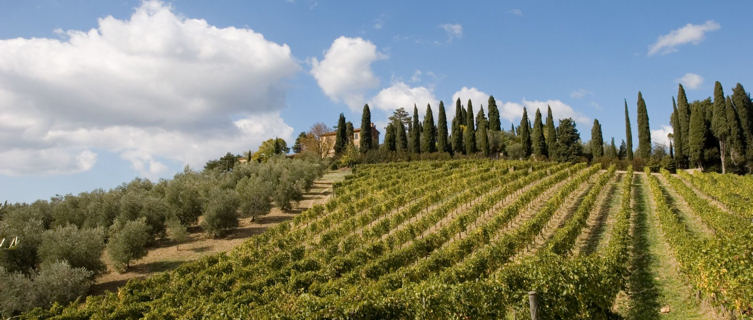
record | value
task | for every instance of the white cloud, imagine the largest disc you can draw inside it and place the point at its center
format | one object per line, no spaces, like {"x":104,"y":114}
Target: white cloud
{"x":454,"y":31}
{"x":580,"y":93}
{"x":517,"y":12}
{"x":691,"y":80}
{"x":155,"y":86}
{"x":659,"y":136}
{"x":345,"y":72}
{"x":476,"y":96}
{"x":401,"y":95}
{"x":513,"y":111}
{"x":690,"y":33}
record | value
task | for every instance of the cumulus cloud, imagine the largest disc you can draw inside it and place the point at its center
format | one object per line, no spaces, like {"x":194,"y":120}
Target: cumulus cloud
{"x":476,"y":96}
{"x":580,"y":93}
{"x":345,"y":72}
{"x":560,"y":110}
{"x":453,"y":31}
{"x":402,"y":95}
{"x":691,"y":80}
{"x":690,"y":33}
{"x":659,"y":136}
{"x":155,"y":86}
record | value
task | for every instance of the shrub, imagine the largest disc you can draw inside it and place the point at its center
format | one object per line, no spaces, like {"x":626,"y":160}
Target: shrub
{"x":81,"y":248}
{"x":254,"y":196}
{"x":60,"y":282}
{"x":128,"y":242}
{"x":176,"y":231}
{"x":16,"y":293}
{"x":29,"y":231}
{"x":220,"y":213}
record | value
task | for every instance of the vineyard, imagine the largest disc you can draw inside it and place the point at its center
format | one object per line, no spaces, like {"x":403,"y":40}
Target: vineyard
{"x":469,"y":239}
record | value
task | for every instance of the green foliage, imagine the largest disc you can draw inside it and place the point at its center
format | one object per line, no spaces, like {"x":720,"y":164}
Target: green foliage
{"x":538,"y":142}
{"x":390,"y":141}
{"x":678,"y":137}
{"x":254,"y":195}
{"x":628,"y":135}
{"x":525,"y":134}
{"x":744,"y":107}
{"x":298,"y":145}
{"x":225,"y":163}
{"x":128,"y":242}
{"x":81,"y":248}
{"x":365,"y":137}
{"x":341,"y":135}
{"x":414,"y":144}
{"x":494,"y":123}
{"x":483,"y":139}
{"x":568,"y":141}
{"x":443,"y":144}
{"x":457,"y":129}
{"x":270,"y":148}
{"x":597,"y":141}
{"x":429,"y":134}
{"x":698,"y":132}
{"x":644,"y":132}
{"x":183,"y":196}
{"x":176,"y":231}
{"x":550,"y":134}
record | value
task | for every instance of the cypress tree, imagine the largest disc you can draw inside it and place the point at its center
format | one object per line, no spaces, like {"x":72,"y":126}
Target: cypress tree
{"x":597,"y":141}
{"x":390,"y":141}
{"x":525,"y":135}
{"x":457,"y":129}
{"x":719,"y":126}
{"x":512,"y":129}
{"x":365,"y":139}
{"x":480,"y":117}
{"x":349,"y":132}
{"x":483,"y":139}
{"x":341,"y":136}
{"x":678,"y":136}
{"x":644,"y":133}
{"x":550,"y":134}
{"x":744,"y":108}
{"x":735,"y":143}
{"x":612,"y":153}
{"x":401,"y":143}
{"x":494,"y":124}
{"x":469,"y":134}
{"x":683,"y":117}
{"x":568,"y":141}
{"x":415,"y":133}
{"x":697,"y":139}
{"x":537,"y":137}
{"x":628,"y":134}
{"x":442,"y":142}
{"x":429,"y":136}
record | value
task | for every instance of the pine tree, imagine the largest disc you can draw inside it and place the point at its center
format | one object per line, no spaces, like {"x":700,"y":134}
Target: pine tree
{"x":365,"y":138}
{"x":628,"y":134}
{"x":719,"y":123}
{"x":537,"y":137}
{"x":469,"y":134}
{"x":494,"y":124}
{"x":341,"y":136}
{"x":550,"y":134}
{"x":415,"y":133}
{"x":644,"y":133}
{"x":683,"y":117}
{"x":744,"y":108}
{"x":401,"y":143}
{"x":697,"y":139}
{"x":429,"y":136}
{"x":597,"y":141}
{"x":483,"y":139}
{"x":678,"y":137}
{"x":525,"y":135}
{"x":389,"y":138}
{"x":442,"y":142}
{"x":568,"y":141}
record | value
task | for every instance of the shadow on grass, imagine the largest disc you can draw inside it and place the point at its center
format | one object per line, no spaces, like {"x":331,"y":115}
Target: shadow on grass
{"x":644,"y":293}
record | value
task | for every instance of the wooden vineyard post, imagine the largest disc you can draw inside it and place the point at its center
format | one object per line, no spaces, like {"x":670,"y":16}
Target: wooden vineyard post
{"x":534,"y":305}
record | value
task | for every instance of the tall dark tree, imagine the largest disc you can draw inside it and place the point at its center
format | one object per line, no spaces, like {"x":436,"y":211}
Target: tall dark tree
{"x":735,"y":141}
{"x":415,"y":133}
{"x":457,"y":129}
{"x":597,"y":141}
{"x":697,"y":139}
{"x":525,"y":135}
{"x":401,"y":115}
{"x":550,"y":134}
{"x":628,"y":134}
{"x":512,"y":129}
{"x":678,"y":137}
{"x":611,"y":151}
{"x":683,"y":117}
{"x":622,"y":151}
{"x":442,"y":142}
{"x":469,"y":134}
{"x":298,"y":145}
{"x":744,"y":107}
{"x":483,"y":138}
{"x":494,"y":124}
{"x":568,"y":141}
{"x":644,"y":131}
{"x":390,"y":139}
{"x":341,"y":135}
{"x":463,"y":115}
{"x":349,"y":132}
{"x":719,"y":126}
{"x":401,"y":137}
{"x":429,"y":136}
{"x":538,"y":142}
{"x":365,"y":139}
{"x":480,"y":117}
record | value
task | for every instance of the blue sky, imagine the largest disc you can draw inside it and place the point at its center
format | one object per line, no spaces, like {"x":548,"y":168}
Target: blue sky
{"x":95,"y":93}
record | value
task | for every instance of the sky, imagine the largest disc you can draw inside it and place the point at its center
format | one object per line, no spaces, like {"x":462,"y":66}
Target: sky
{"x":96,"y":93}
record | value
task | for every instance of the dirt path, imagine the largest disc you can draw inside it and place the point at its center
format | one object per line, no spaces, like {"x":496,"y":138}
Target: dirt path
{"x":704,"y":196}
{"x":596,"y":224}
{"x":166,"y":255}
{"x":693,"y":220}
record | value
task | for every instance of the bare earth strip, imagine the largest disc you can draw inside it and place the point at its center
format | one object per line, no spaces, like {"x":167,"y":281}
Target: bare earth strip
{"x":166,"y":255}
{"x":588,"y":240}
{"x":694,"y":221}
{"x":706,"y":197}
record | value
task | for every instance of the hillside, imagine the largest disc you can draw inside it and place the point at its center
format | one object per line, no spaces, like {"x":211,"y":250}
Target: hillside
{"x":470,"y":239}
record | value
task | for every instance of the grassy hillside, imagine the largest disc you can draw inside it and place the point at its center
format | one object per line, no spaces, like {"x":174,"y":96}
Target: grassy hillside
{"x":470,"y":239}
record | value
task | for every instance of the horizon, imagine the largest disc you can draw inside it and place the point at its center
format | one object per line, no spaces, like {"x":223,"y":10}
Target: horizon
{"x":94,"y":94}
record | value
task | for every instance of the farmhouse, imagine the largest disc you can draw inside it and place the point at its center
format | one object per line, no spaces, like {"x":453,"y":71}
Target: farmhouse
{"x":328,"y":139}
